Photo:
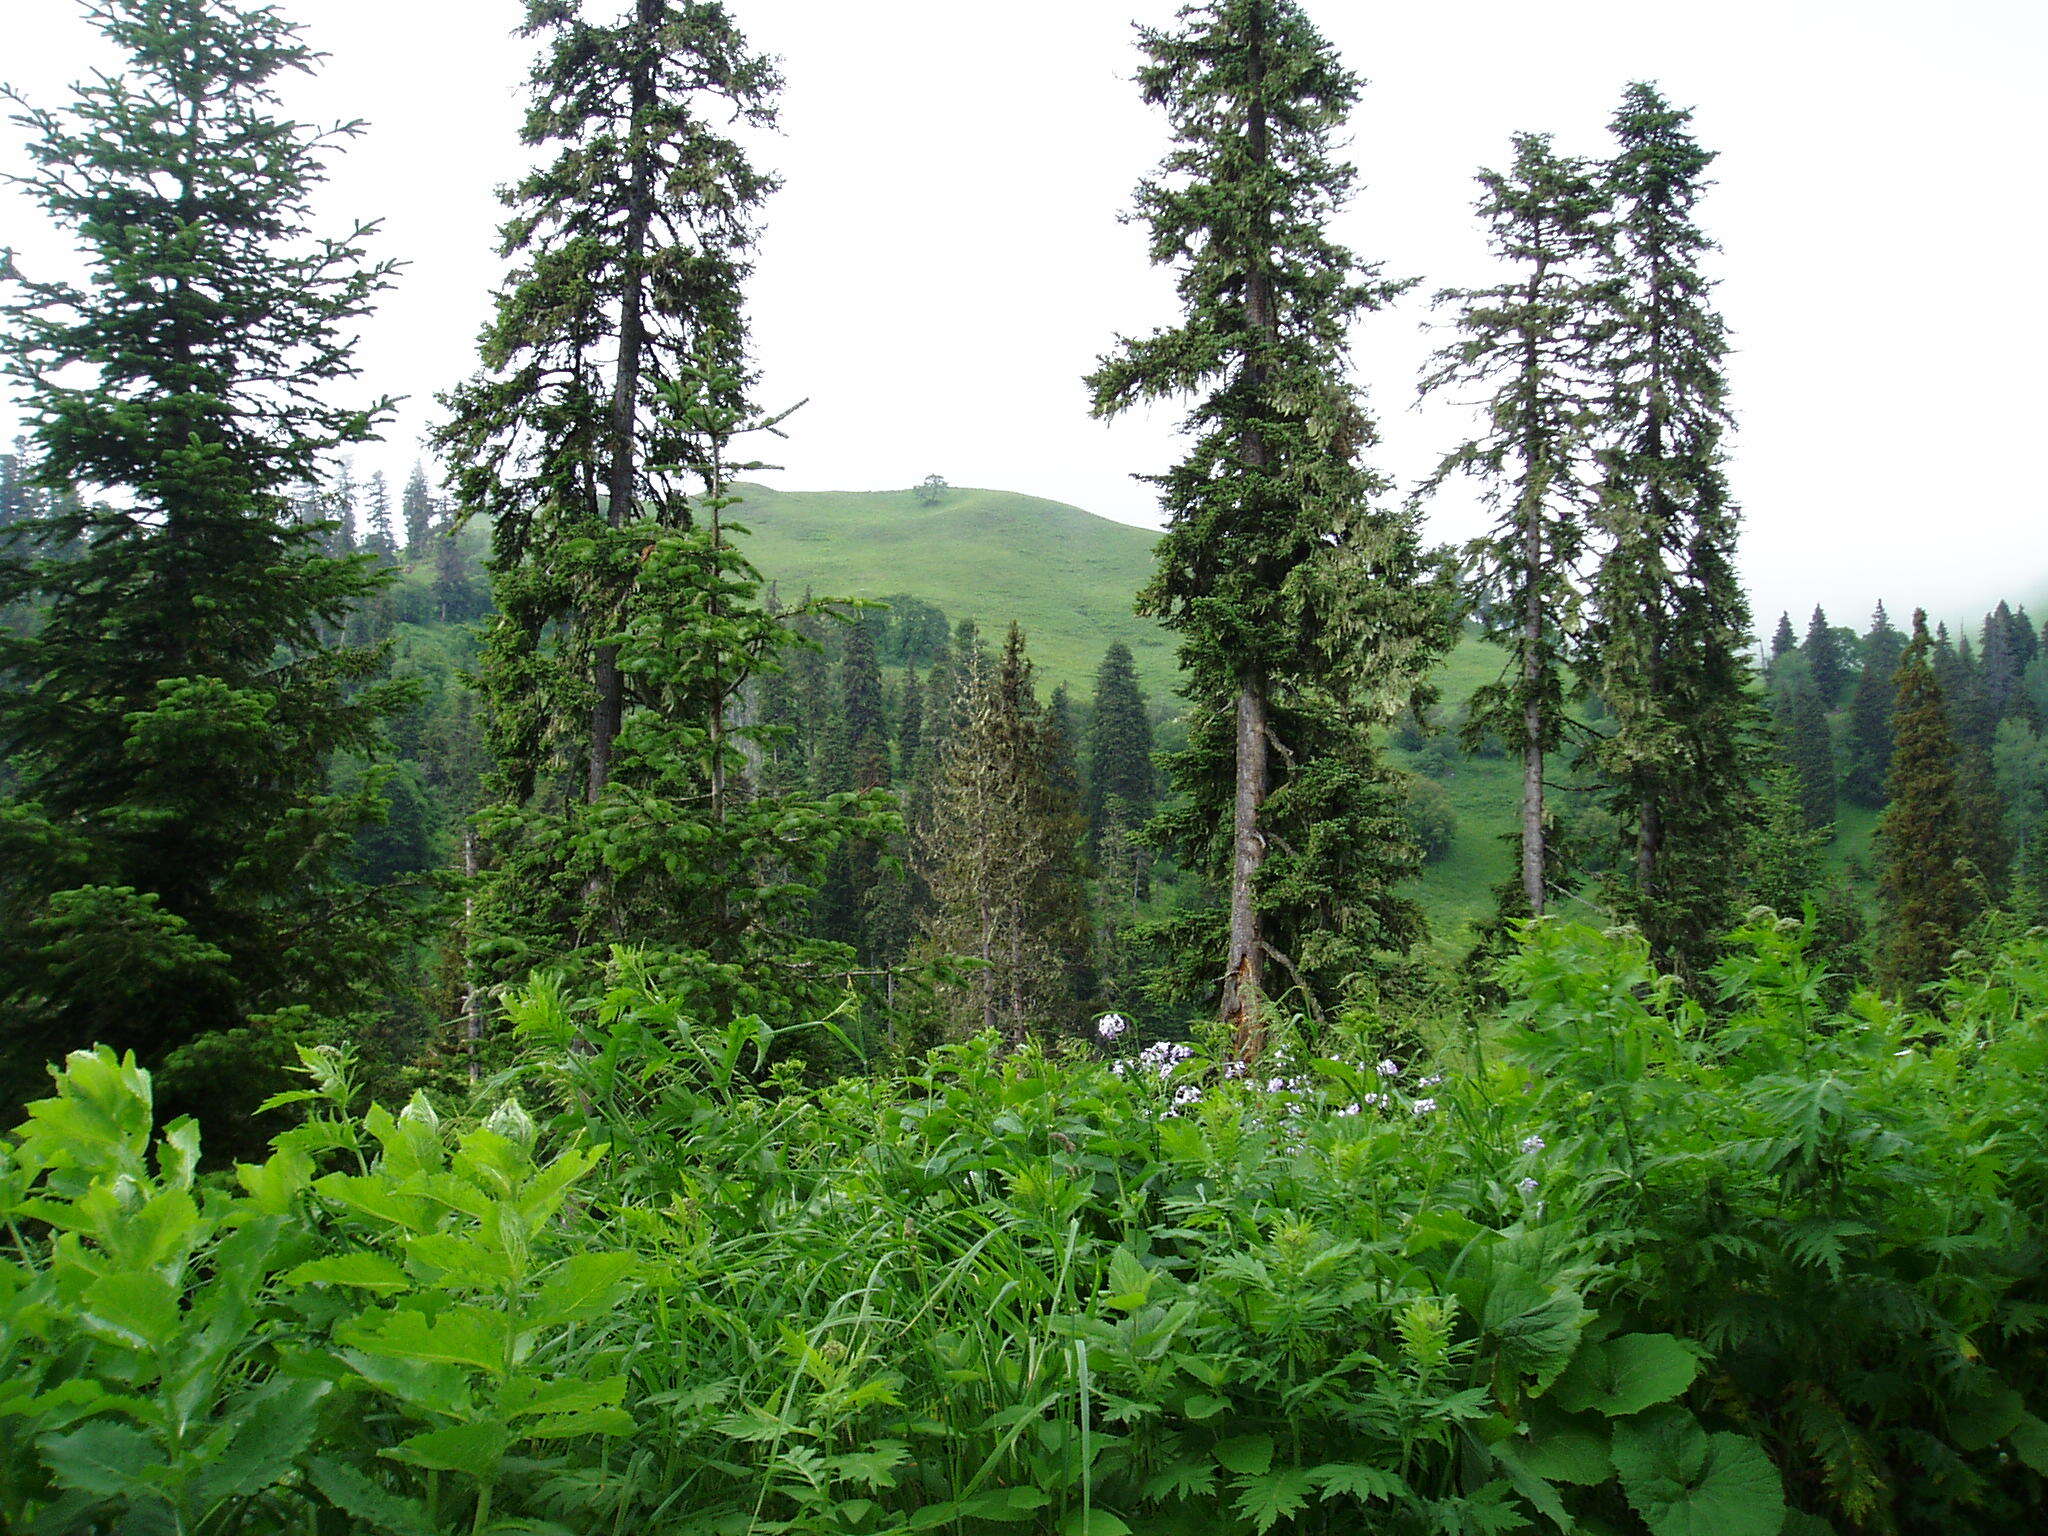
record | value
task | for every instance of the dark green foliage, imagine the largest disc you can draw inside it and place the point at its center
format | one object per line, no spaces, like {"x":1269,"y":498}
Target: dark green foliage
{"x":1667,"y":645}
{"x":1805,"y":747}
{"x":1533,"y":343}
{"x":417,"y":507}
{"x":855,"y":758}
{"x":1930,"y":890}
{"x":380,"y":537}
{"x":1307,"y":614}
{"x":1782,"y":867}
{"x":632,"y":233}
{"x":1119,"y":747}
{"x":173,"y":863}
{"x":1783,"y":642}
{"x":1869,"y":738}
{"x":1826,"y":667}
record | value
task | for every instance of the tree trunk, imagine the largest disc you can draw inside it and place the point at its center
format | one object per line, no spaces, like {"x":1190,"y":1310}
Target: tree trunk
{"x":622,"y":469}
{"x":1532,"y":716}
{"x":1243,"y":965}
{"x":472,"y":994}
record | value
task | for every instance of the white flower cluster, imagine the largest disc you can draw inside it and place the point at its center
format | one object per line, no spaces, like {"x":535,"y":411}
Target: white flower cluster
{"x":1160,"y":1058}
{"x":1110,"y":1025}
{"x":1389,"y":1067}
{"x":1531,"y":1145}
{"x":1422,"y":1107}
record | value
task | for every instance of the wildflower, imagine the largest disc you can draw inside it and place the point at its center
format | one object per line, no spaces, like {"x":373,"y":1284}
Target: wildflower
{"x":1376,"y":1100}
{"x":1431,"y":1081}
{"x":1348,"y":1109}
{"x":1187,"y":1093}
{"x":1423,"y":1107}
{"x":1110,"y":1025}
{"x":1527,"y":1186}
{"x":1531,"y":1145}
{"x":1389,"y":1067}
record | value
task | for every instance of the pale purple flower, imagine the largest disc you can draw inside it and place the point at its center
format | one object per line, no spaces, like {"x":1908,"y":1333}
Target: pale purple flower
{"x":1348,"y":1109}
{"x":1527,"y":1186}
{"x":1187,"y":1093}
{"x":1110,"y":1025}
{"x":1423,"y":1107}
{"x":1531,"y":1145}
{"x":1389,"y":1067}
{"x":1233,"y":1069}
{"x":1431,"y":1081}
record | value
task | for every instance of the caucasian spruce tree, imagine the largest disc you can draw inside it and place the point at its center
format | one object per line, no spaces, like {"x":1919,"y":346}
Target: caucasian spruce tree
{"x":173,"y":858}
{"x":1667,"y":646}
{"x":1928,"y":887}
{"x":1306,"y":609}
{"x":1530,"y":347}
{"x":632,"y":239}
{"x":1119,"y":747}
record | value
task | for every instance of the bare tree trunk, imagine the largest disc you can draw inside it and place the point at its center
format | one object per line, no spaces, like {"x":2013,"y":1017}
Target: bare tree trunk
{"x":1244,"y":962}
{"x":472,"y":995}
{"x":1532,"y":723}
{"x":1243,"y":966}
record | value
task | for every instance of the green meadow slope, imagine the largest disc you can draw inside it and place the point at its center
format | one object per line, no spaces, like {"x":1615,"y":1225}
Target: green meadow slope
{"x":1066,"y":575}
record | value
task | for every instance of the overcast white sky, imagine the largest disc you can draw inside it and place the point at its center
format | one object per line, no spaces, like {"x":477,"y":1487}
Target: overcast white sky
{"x":945,"y":261}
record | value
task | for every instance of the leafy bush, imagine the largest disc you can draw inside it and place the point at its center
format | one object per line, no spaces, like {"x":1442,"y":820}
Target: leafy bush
{"x":1620,"y":1266}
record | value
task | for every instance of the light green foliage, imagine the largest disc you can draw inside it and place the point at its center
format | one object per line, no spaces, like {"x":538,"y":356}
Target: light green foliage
{"x":1623,"y":1276}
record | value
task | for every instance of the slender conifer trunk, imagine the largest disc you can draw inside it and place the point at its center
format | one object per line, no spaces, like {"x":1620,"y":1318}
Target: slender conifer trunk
{"x":1532,"y":714}
{"x":622,"y":470}
{"x":1244,"y":962}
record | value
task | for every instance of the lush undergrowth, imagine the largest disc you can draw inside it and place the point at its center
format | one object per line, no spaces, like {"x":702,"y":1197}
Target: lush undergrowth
{"x":1607,"y":1267}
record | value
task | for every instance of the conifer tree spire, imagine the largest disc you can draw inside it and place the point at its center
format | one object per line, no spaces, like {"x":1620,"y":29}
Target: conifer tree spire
{"x":1534,"y":340}
{"x":1929,"y":888}
{"x":172,"y":868}
{"x":1306,"y":612}
{"x":1668,"y":644}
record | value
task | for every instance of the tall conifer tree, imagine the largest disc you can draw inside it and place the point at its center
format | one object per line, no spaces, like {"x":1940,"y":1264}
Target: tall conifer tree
{"x":1119,"y":746}
{"x":1306,"y":612}
{"x":417,"y":508}
{"x":1783,"y":641}
{"x":632,"y":236}
{"x":1929,"y":890}
{"x":1533,"y":341}
{"x":1826,"y":667}
{"x":1869,"y":743}
{"x":1671,"y":630}
{"x":1804,"y":747}
{"x":171,"y":869}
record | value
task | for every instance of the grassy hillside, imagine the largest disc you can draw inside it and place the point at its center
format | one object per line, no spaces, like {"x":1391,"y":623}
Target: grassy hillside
{"x":1066,"y":575}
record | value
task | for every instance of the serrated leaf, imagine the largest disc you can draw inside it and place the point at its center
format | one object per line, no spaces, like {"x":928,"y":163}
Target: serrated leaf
{"x":463,"y":1336}
{"x":1534,"y":1327}
{"x":267,"y":1431}
{"x":364,"y":1271}
{"x":1182,"y":1480}
{"x":473,"y":1449}
{"x":1249,"y":1455}
{"x":367,"y":1502}
{"x":588,"y":1285}
{"x":1271,"y":1498}
{"x":1625,"y":1374}
{"x":135,"y":1308}
{"x":1686,"y":1482}
{"x":104,"y":1457}
{"x":1563,"y":1449}
{"x":1337,"y":1478}
{"x":1203,"y":1405}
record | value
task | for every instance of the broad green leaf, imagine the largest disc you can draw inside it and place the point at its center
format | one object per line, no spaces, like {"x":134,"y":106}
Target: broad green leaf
{"x":1535,"y":1327}
{"x":1271,"y":1498}
{"x":525,"y":1395}
{"x":474,"y":1449}
{"x":104,"y":1458}
{"x":1626,"y":1374}
{"x":1563,"y":1449}
{"x":1203,"y":1405}
{"x":267,"y":1430}
{"x":1130,"y":1282}
{"x":465,"y":1335}
{"x":1990,"y":1413}
{"x":1686,"y":1482}
{"x":135,"y":1308}
{"x":588,"y":1285}
{"x":1533,"y":1487}
{"x":367,"y":1502}
{"x":416,"y":1383}
{"x":2029,"y":1441}
{"x":1249,"y":1455}
{"x":587,"y":1421}
{"x":375,"y":1195}
{"x":364,"y":1271}
{"x":1182,"y":1480}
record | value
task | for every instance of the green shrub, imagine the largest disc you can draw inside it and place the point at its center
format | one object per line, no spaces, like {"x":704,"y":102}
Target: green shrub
{"x":1623,"y":1266}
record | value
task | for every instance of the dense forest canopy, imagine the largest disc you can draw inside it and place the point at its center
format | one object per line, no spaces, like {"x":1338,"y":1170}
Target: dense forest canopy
{"x":556,"y":1027}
